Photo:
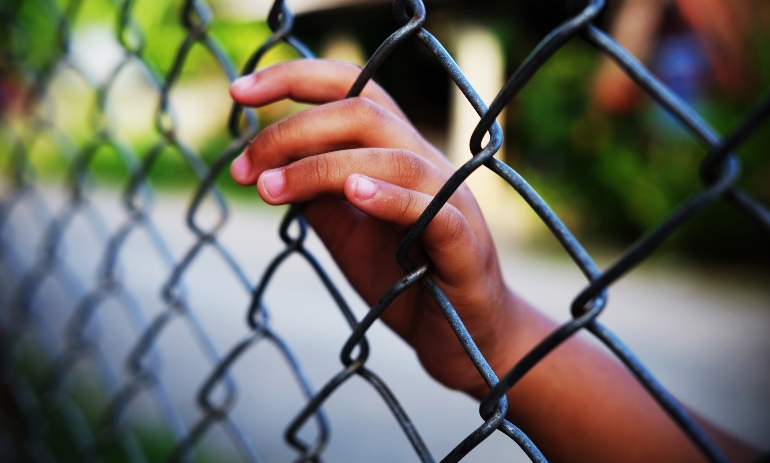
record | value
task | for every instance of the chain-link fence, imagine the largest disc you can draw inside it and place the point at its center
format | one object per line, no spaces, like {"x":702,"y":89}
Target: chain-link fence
{"x":34,"y":407}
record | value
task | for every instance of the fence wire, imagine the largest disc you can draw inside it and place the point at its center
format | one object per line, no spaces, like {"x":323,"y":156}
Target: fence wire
{"x":26,"y":326}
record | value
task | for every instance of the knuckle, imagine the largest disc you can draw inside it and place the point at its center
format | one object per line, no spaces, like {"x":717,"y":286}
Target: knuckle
{"x":366,"y":111}
{"x":409,"y":205}
{"x":274,"y":134}
{"x":408,"y":168}
{"x":322,"y":169}
{"x":454,"y":225}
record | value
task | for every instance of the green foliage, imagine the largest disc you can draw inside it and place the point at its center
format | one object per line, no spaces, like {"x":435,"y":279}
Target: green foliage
{"x":610,"y":177}
{"x":33,"y":38}
{"x":34,"y":43}
{"x":616,"y":177}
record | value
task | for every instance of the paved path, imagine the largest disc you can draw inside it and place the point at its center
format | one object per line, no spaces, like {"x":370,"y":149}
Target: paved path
{"x":705,"y":336}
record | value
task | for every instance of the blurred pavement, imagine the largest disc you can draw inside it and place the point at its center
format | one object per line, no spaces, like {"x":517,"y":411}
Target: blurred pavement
{"x":705,"y":336}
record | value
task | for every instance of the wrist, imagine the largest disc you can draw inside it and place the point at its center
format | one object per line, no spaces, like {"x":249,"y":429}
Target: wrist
{"x":518,"y":329}
{"x":501,"y":343}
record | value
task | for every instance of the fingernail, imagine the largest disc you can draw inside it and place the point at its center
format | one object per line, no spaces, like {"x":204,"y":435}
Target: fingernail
{"x":274,"y":182}
{"x":244,"y":83}
{"x":241,"y":167}
{"x":365,"y":188}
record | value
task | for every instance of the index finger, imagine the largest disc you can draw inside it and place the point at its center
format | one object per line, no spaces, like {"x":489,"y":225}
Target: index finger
{"x":307,"y":81}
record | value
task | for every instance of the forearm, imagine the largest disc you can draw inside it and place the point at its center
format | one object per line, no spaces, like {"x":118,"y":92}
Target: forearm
{"x":367,"y":177}
{"x":581,"y":404}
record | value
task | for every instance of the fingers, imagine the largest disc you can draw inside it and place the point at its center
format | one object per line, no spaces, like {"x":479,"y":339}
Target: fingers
{"x":351,"y":123}
{"x":325,"y":174}
{"x":307,"y":81}
{"x":448,"y":240}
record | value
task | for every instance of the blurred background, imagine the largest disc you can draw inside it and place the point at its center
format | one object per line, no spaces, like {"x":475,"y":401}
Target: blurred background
{"x":611,"y":163}
{"x":607,"y":159}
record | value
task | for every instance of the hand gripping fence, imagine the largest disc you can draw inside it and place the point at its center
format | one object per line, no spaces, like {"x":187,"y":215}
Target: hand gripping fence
{"x":23,"y":320}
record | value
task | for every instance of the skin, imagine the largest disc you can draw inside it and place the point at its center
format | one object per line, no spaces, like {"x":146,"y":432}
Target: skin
{"x":723,"y":28}
{"x":366,"y":174}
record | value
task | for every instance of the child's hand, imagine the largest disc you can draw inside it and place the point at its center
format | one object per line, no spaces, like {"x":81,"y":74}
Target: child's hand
{"x":366,"y":175}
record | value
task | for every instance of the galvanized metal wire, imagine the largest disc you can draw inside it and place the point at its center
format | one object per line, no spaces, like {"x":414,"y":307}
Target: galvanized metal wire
{"x":25,"y":323}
